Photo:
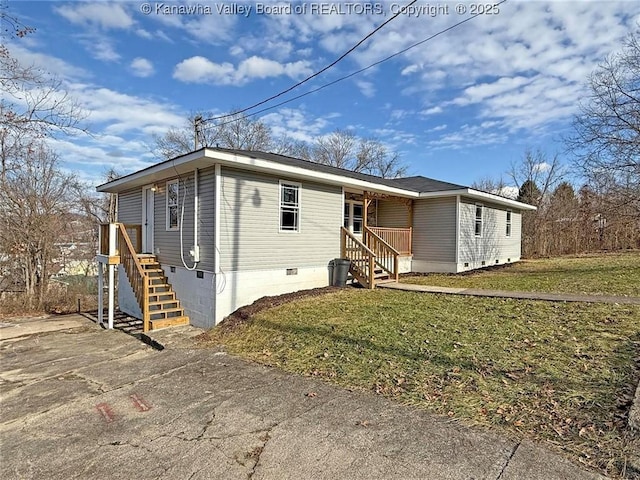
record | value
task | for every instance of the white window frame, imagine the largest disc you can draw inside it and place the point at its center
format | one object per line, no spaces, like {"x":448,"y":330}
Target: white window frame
{"x":296,"y":208}
{"x":509,"y":222}
{"x":478,"y":221}
{"x":170,"y":205}
{"x":351,"y":217}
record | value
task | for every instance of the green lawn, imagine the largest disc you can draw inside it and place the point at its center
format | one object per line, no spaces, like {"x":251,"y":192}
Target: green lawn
{"x":613,"y":274}
{"x":554,"y":372}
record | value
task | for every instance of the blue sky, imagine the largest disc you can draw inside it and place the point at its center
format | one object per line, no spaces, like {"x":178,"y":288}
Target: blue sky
{"x":462,"y":106}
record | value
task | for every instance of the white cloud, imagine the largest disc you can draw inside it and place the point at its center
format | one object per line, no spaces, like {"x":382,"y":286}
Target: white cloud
{"x":101,"y":48}
{"x":202,"y":70}
{"x":469,"y":136}
{"x":438,"y":128}
{"x":541,"y":167}
{"x":211,"y":29}
{"x":297,"y":124}
{"x":431,"y":111}
{"x":367,"y":89}
{"x":97,"y":14}
{"x":117,"y":113}
{"x":141,"y":67}
{"x":409,"y":70}
{"x":509,"y":192}
{"x":48,"y":63}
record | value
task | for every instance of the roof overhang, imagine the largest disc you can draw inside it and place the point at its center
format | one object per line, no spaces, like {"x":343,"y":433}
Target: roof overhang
{"x":480,"y":196}
{"x":206,"y":157}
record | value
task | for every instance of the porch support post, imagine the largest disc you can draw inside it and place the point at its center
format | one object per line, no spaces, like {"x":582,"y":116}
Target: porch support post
{"x":410,"y":207}
{"x":365,"y":210}
{"x":113,"y":250}
{"x":112,"y":269}
{"x":100,"y":293}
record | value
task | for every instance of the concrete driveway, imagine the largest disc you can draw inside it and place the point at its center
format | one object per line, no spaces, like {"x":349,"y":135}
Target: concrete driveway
{"x":83,"y":402}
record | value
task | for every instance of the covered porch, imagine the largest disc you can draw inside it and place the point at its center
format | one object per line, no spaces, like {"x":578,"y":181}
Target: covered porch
{"x":377,"y":236}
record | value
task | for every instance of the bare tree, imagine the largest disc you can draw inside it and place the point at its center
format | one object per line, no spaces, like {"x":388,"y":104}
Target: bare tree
{"x":536,"y":176}
{"x":33,"y":103}
{"x":496,"y":186}
{"x":235,"y":131}
{"x":100,"y":208}
{"x":336,"y":149}
{"x":36,"y":200}
{"x":606,"y":142}
{"x":343,"y":149}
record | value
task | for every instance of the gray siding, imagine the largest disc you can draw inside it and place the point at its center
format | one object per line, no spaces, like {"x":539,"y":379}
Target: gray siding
{"x":250,"y":218}
{"x":434,"y":230}
{"x":130,"y":206}
{"x":167,"y":242}
{"x":392,"y":214}
{"x":493,"y":244}
{"x":130,"y":209}
{"x":206,"y":225}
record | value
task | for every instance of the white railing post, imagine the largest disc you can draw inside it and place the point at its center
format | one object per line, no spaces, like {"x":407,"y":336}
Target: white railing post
{"x":113,"y":239}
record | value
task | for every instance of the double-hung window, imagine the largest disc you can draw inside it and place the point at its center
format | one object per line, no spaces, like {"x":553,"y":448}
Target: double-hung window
{"x":172,"y":205}
{"x":478,"y":219}
{"x":289,"y":207}
{"x":508,"y":231}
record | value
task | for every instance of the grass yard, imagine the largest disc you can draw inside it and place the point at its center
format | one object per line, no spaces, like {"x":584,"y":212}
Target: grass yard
{"x":560,"y":373}
{"x":612,"y":274}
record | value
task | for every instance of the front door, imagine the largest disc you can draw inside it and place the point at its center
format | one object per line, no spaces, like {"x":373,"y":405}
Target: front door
{"x":147,"y":218}
{"x":353,"y":219}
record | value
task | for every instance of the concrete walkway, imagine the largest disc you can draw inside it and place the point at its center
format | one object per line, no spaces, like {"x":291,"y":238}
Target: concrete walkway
{"x":90,"y":403}
{"x":479,"y":292}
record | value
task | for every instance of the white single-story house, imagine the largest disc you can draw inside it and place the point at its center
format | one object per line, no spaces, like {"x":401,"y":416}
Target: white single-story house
{"x":203,"y":234}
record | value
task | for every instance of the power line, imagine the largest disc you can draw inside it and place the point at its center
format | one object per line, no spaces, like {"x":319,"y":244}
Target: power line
{"x":332,"y":64}
{"x":352,"y":74}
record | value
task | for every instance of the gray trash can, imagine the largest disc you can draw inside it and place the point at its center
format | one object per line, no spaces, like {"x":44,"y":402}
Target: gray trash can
{"x":331,"y":268}
{"x":340,"y":272}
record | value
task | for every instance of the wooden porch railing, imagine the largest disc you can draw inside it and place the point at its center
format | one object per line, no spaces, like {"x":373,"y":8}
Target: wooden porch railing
{"x":135,"y":273}
{"x":386,"y":257}
{"x":362,"y":258}
{"x":134,"y":233}
{"x":399,"y":238}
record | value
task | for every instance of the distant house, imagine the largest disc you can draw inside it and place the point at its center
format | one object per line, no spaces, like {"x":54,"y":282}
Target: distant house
{"x":217,"y":228}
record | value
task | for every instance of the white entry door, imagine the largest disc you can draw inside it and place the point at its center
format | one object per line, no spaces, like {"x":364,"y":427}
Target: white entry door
{"x":147,"y":218}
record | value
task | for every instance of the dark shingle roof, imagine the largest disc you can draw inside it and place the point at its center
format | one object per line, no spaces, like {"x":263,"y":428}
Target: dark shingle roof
{"x":424,"y":184}
{"x":416,"y":184}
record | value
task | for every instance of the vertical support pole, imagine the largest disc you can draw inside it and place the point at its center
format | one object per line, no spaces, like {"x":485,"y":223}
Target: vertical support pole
{"x":372,"y":280}
{"x":113,"y":236}
{"x":365,"y":210}
{"x":112,"y":269}
{"x":100,"y":293}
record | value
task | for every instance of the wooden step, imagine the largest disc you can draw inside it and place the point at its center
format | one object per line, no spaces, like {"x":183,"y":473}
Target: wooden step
{"x":158,"y":289}
{"x":155,"y":297}
{"x":168,"y":322}
{"x":166,"y":313}
{"x":161,"y":303}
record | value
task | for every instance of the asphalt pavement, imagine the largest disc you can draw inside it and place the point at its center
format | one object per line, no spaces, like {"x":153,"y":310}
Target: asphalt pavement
{"x":80,"y":402}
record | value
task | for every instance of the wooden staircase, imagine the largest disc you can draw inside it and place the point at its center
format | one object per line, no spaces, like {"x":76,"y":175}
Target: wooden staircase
{"x":163,"y":306}
{"x":373,"y":261}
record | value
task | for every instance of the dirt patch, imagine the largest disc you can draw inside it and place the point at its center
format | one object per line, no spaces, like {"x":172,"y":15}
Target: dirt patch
{"x":244,"y":314}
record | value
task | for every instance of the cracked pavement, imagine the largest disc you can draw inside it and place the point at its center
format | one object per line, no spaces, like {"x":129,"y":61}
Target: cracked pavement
{"x":90,"y":403}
